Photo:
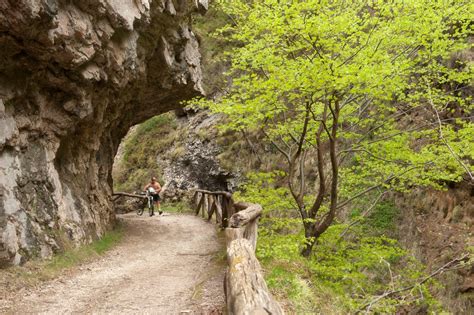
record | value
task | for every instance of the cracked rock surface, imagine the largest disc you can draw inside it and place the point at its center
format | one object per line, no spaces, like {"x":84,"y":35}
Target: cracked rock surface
{"x":74,"y":76}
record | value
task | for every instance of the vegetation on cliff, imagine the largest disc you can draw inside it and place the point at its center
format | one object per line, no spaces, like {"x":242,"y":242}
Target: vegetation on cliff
{"x":140,"y":150}
{"x":330,"y":85}
{"x":359,"y":99}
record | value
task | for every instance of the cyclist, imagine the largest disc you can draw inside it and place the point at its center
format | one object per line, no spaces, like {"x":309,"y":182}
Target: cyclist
{"x":154,"y":188}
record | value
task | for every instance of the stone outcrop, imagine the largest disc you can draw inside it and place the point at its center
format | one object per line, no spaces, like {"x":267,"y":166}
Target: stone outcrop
{"x":198,"y":166}
{"x":74,"y":76}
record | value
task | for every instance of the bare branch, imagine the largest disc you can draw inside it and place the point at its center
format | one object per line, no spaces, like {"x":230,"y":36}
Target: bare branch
{"x":443,"y":139}
{"x":445,"y":267}
{"x":333,"y":197}
{"x":322,"y":179}
{"x":361,"y":47}
{"x":372,"y":155}
{"x":405,"y":131}
{"x":363,"y":215}
{"x":251,"y":145}
{"x":375,"y":187}
{"x":285,"y":154}
{"x":302,"y":176}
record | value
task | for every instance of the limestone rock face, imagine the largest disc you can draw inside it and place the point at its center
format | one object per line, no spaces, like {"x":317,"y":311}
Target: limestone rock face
{"x":74,"y":76}
{"x":199,"y":166}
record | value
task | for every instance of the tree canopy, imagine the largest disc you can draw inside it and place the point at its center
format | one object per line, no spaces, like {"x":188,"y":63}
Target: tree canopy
{"x":361,"y":94}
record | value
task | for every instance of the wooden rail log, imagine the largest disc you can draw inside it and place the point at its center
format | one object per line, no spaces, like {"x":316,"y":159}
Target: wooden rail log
{"x":246,"y":290}
{"x":218,"y":202}
{"x":232,"y":234}
{"x":123,"y":194}
{"x":247,"y":221}
{"x":241,"y":218}
{"x":239,"y":206}
{"x":224,"y":193}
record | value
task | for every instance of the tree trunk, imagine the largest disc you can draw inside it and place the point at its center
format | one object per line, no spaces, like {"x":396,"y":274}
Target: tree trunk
{"x":310,"y":241}
{"x":308,"y":247}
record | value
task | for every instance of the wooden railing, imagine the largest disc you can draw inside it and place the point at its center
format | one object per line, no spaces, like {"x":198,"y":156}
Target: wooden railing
{"x":245,"y":288}
{"x":117,"y":195}
{"x":218,"y":203}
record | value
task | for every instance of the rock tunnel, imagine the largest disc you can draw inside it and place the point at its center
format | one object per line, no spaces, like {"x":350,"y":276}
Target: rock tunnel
{"x":75,"y":75}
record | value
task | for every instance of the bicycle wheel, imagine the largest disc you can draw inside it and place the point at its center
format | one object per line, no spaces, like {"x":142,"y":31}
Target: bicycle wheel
{"x":151,"y":207}
{"x":141,"y":208}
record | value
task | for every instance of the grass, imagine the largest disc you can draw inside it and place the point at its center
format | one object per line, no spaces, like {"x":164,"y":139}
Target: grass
{"x":343,"y":273}
{"x":36,"y":271}
{"x":176,"y":207}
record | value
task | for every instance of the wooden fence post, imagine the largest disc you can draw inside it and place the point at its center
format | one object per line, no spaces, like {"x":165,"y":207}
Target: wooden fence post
{"x":219,"y":210}
{"x":246,"y":290}
{"x":204,"y":205}
{"x":212,"y":209}
{"x":225,"y":212}
{"x":198,"y":208}
{"x":244,"y":286}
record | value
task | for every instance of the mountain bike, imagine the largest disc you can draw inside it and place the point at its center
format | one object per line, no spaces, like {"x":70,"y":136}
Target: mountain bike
{"x":149,"y":204}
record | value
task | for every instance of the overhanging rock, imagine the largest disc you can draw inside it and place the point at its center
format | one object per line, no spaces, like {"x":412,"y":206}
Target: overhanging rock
{"x":74,"y":76}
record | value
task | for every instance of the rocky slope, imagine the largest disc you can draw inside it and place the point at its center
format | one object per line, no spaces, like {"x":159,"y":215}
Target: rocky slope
{"x":74,"y":76}
{"x":436,"y":227}
{"x":194,"y":163}
{"x":182,"y":151}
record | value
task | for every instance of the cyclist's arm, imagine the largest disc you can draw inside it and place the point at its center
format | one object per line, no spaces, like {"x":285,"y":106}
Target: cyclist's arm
{"x":159,"y":187}
{"x":146,"y":187}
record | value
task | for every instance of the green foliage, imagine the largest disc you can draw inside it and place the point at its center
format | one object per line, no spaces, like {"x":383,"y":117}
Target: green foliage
{"x":107,"y":241}
{"x":334,"y":84}
{"x":212,"y":48}
{"x":141,"y":149}
{"x":345,"y":272}
{"x":382,"y":218}
{"x":261,"y":189}
{"x":371,"y":57}
{"x":176,"y":207}
{"x":75,"y":256}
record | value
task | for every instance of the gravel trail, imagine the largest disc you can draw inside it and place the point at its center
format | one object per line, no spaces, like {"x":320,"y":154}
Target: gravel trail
{"x":164,"y":265}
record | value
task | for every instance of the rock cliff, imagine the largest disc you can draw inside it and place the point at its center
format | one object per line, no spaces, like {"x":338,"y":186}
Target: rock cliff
{"x":74,"y":76}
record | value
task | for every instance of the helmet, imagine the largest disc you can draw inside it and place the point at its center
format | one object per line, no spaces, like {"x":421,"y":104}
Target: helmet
{"x":151,"y":190}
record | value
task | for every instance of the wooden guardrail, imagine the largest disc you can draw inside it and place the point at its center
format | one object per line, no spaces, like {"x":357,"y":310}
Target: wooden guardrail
{"x":245,"y":288}
{"x":118,"y":195}
{"x":218,"y":203}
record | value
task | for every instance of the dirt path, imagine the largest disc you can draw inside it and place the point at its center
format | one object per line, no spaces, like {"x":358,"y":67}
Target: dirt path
{"x":164,"y":265}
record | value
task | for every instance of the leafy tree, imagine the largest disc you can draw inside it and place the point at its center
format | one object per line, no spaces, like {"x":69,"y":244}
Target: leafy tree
{"x":357,"y":95}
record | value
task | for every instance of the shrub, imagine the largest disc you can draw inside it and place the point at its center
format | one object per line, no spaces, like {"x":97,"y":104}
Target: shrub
{"x":344,"y":273}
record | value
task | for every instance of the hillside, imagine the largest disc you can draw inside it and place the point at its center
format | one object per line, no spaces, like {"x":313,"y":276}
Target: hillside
{"x":330,"y":143}
{"x":430,"y":226}
{"x":405,"y":246}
